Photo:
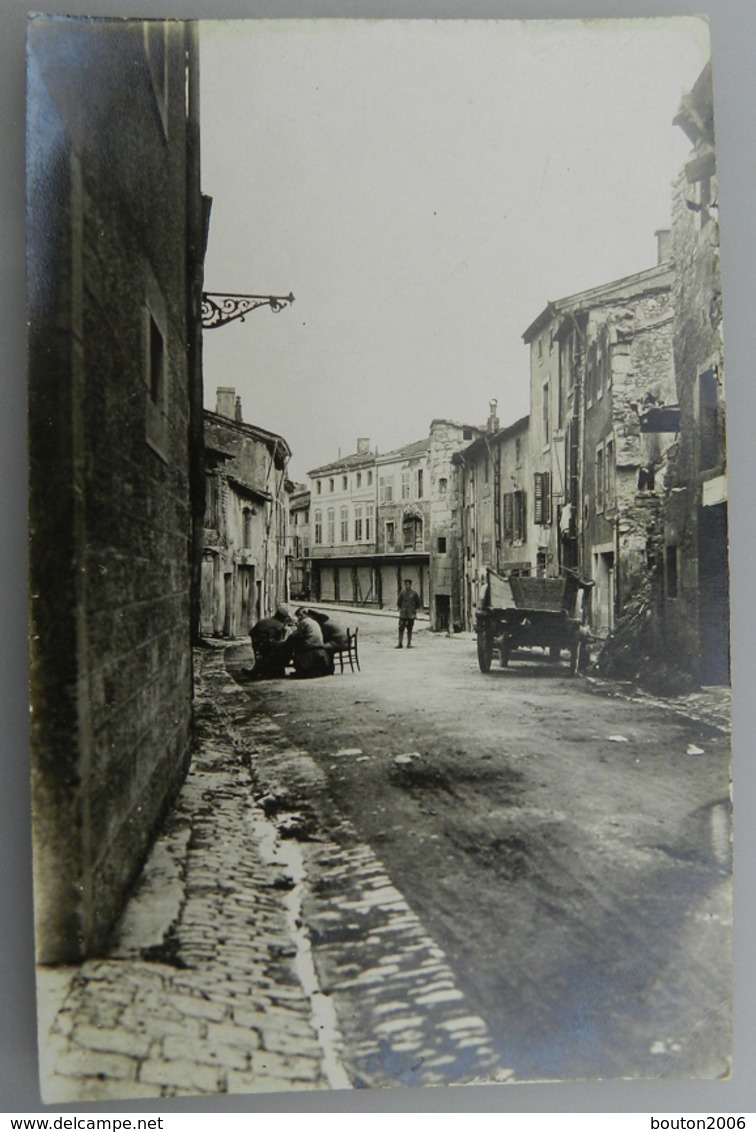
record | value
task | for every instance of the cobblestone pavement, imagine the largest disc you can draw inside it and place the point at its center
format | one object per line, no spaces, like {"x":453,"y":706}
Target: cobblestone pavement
{"x":256,"y":954}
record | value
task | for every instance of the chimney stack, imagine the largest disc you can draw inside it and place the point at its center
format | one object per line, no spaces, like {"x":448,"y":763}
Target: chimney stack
{"x":493,"y":421}
{"x":663,"y":245}
{"x":363,"y":445}
{"x":224,"y":401}
{"x":238,"y":409}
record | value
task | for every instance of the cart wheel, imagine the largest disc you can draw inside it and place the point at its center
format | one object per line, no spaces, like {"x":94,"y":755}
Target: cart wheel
{"x":485,"y":650}
{"x":554,"y":652}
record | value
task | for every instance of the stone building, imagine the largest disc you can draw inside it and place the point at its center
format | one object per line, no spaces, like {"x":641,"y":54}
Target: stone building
{"x":300,"y":567}
{"x":599,"y":360}
{"x":495,"y":478}
{"x":447,"y":599}
{"x":695,"y":597}
{"x":244,"y":555}
{"x":342,"y":527}
{"x":403,"y":522}
{"x":116,"y":234}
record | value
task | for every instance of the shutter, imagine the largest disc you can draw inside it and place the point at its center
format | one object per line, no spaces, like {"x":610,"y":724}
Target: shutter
{"x":507,"y":504}
{"x":538,"y":496}
{"x":546,"y":498}
{"x":518,"y":525}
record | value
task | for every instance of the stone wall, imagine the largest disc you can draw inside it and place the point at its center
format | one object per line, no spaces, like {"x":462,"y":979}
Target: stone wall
{"x":115,"y":391}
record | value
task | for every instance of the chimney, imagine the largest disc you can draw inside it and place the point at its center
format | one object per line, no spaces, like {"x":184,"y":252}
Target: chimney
{"x":238,"y":409}
{"x":492,"y":424}
{"x":224,"y":401}
{"x":663,"y":245}
{"x":363,"y":445}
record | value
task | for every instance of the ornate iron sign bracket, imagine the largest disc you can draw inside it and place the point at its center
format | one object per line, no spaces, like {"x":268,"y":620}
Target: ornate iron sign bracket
{"x":219,"y":308}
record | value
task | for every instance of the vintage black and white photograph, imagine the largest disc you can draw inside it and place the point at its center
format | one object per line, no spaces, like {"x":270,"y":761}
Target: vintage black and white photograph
{"x":352,"y":338}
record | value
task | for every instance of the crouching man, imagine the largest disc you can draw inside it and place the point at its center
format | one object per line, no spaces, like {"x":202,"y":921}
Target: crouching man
{"x":308,"y":652}
{"x":271,"y":645}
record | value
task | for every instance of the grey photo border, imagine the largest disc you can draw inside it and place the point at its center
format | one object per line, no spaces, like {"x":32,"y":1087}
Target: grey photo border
{"x":733,"y":32}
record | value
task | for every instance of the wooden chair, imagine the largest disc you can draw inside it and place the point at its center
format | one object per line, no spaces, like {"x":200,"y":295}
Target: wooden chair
{"x":350,"y":652}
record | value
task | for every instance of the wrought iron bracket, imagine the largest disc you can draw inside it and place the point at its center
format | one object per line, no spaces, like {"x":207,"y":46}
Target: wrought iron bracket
{"x":220,"y":308}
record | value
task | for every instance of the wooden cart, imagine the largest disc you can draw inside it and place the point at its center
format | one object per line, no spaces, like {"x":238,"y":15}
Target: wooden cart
{"x":525,"y":612}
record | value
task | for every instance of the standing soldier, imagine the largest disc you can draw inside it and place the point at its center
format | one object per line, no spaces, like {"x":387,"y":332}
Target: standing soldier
{"x":408,"y":605}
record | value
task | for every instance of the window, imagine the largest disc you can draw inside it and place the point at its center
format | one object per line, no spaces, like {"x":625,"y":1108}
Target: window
{"x":467,"y":434}
{"x":518,"y":451}
{"x":358,"y":477}
{"x":412,"y":532}
{"x":370,"y":479}
{"x":318,"y":487}
{"x":344,"y":482}
{"x":330,"y":485}
{"x":369,"y":510}
{"x":671,"y":561}
{"x":247,"y":527}
{"x":156,"y":50}
{"x":331,"y":527}
{"x":358,"y":523}
{"x":513,"y":516}
{"x":708,"y":423}
{"x":443,"y":485}
{"x":542,"y":499}
{"x":545,"y":415}
{"x":599,"y":485}
{"x":344,"y":522}
{"x":405,"y":485}
{"x":306,"y":516}
{"x":441,"y":544}
{"x":419,"y":483}
{"x":156,"y":369}
{"x":611,"y":475}
{"x":385,"y":489}
{"x":318,"y":528}
{"x":390,"y":535}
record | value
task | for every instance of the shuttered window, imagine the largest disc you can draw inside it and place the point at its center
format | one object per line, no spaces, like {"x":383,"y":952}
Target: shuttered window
{"x":542,"y":494}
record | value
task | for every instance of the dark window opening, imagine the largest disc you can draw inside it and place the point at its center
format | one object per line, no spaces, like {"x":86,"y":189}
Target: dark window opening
{"x":708,"y":420}
{"x":441,"y":544}
{"x":672,"y":579}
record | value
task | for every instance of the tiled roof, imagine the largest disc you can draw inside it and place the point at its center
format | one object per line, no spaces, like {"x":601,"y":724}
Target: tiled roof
{"x":356,"y":460}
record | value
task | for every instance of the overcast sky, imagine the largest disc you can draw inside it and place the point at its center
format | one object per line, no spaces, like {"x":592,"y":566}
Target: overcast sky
{"x":423,"y":188}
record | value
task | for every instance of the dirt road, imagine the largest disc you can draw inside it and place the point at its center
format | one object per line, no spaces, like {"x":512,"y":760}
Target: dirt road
{"x":567,"y":849}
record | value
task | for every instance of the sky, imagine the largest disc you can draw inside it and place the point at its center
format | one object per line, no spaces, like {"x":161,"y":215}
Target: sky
{"x":423,"y":188}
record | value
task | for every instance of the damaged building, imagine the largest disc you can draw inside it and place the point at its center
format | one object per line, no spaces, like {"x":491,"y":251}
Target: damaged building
{"x":694,"y":605}
{"x":599,"y":360}
{"x":245,"y":534}
{"x":495,"y":487}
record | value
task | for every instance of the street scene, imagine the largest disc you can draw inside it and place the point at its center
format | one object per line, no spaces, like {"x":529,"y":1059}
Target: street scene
{"x":443,"y":840}
{"x":380,"y":649}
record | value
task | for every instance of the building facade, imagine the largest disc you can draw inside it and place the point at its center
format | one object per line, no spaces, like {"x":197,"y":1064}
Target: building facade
{"x":403,"y":526}
{"x":299,"y":548}
{"x":244,"y":555}
{"x":342,"y":528}
{"x":598,"y":360}
{"x":495,"y":477}
{"x":695,"y":591}
{"x":116,"y":233}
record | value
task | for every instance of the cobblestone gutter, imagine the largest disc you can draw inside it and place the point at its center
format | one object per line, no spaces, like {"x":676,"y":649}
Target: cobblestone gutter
{"x":258,"y":953}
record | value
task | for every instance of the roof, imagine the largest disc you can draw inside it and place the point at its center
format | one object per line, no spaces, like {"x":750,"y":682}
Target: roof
{"x":344,"y":463}
{"x":272,"y":439}
{"x":656,"y":278}
{"x":501,"y":434}
{"x":408,"y":451}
